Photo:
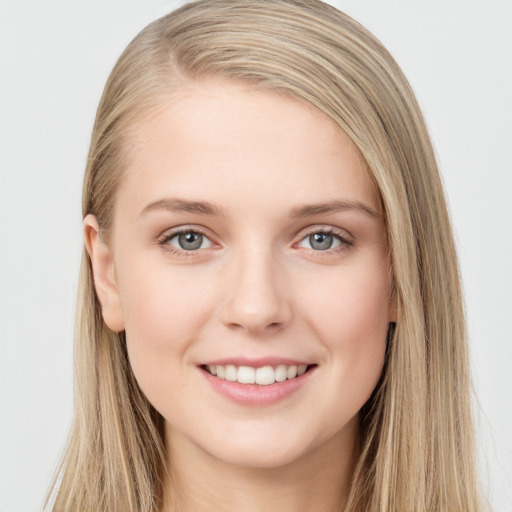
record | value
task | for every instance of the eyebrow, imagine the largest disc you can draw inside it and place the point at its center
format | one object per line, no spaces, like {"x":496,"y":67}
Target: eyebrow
{"x":333,"y":207}
{"x":206,"y":208}
{"x":181,"y":205}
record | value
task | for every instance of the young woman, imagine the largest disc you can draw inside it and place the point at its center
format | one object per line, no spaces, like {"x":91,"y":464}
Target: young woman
{"x":270,"y":311}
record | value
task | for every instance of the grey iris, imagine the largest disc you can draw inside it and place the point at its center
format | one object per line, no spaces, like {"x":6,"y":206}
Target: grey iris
{"x":320,"y":241}
{"x":190,"y":241}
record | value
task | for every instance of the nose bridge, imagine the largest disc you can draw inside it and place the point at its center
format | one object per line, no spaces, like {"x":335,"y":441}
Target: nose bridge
{"x":256,"y":299}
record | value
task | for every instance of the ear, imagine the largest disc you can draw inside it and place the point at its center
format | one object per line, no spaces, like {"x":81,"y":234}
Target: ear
{"x":104,"y":274}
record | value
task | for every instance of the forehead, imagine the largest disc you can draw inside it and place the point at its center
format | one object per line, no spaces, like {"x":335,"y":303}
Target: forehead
{"x":229,"y":141}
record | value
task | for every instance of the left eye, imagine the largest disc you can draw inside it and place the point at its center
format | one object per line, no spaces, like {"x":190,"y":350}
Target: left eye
{"x":189,"y":241}
{"x":321,"y":241}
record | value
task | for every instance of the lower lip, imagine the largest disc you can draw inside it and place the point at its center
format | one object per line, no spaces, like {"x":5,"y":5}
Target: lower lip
{"x":256,"y":394}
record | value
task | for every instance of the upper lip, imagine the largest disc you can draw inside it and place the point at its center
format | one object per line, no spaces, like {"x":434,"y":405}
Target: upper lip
{"x":257,"y":362}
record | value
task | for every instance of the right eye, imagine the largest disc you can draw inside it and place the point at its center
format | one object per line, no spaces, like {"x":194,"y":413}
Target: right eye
{"x":188,"y":240}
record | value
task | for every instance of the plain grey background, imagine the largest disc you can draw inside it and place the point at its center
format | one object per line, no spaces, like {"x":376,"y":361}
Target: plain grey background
{"x":54,"y":60}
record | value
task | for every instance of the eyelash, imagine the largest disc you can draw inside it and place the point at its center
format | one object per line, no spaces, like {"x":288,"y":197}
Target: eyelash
{"x":344,"y":242}
{"x":164,"y":240}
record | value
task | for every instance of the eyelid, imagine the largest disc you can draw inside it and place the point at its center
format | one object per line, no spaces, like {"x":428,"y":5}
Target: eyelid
{"x":345,"y":238}
{"x":169,"y":234}
{"x":328,"y":229}
{"x":185,"y":228}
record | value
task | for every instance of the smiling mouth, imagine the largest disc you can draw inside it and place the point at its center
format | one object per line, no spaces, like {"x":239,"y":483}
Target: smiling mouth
{"x":264,"y":375}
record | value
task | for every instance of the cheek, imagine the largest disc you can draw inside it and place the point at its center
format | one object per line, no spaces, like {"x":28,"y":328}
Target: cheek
{"x":164,"y":313}
{"x":350,"y":305}
{"x":350,"y":314}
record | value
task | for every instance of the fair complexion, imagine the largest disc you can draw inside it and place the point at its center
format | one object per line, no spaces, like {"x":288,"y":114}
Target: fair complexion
{"x":247,"y":233}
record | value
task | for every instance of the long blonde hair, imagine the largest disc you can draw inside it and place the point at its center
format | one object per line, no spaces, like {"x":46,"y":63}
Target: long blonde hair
{"x":417,"y":440}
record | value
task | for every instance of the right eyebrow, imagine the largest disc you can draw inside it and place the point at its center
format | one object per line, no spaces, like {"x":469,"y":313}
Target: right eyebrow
{"x":182,"y":205}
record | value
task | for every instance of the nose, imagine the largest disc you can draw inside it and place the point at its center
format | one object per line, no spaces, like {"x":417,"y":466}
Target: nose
{"x":256,"y":298}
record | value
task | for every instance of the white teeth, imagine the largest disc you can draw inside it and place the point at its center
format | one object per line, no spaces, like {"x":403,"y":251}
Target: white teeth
{"x":291,"y":372}
{"x":231,"y":373}
{"x":246,"y":375}
{"x":281,"y":373}
{"x":264,"y":375}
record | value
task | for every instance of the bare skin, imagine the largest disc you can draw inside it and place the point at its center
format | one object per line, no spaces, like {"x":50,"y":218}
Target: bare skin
{"x":314,"y":484}
{"x":246,"y":230}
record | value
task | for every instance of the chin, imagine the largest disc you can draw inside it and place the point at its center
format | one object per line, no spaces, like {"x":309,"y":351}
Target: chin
{"x":260,"y":457}
{"x":277,"y":448}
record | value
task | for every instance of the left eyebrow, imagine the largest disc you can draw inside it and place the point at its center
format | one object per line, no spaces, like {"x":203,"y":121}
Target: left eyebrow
{"x":333,"y":207}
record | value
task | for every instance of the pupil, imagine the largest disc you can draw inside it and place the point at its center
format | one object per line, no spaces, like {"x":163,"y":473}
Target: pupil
{"x":190,"y":241}
{"x":320,"y":241}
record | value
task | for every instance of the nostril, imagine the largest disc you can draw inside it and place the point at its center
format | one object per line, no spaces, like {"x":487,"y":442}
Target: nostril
{"x":255,"y":326}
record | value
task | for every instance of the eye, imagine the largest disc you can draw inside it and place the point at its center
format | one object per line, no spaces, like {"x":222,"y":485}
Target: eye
{"x":323,"y":241}
{"x":188,"y":241}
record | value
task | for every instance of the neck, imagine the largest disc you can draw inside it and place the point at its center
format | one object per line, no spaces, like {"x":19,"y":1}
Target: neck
{"x":316,"y":482}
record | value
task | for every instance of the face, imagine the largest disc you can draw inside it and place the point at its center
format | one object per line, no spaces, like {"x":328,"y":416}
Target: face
{"x":248,"y":242}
